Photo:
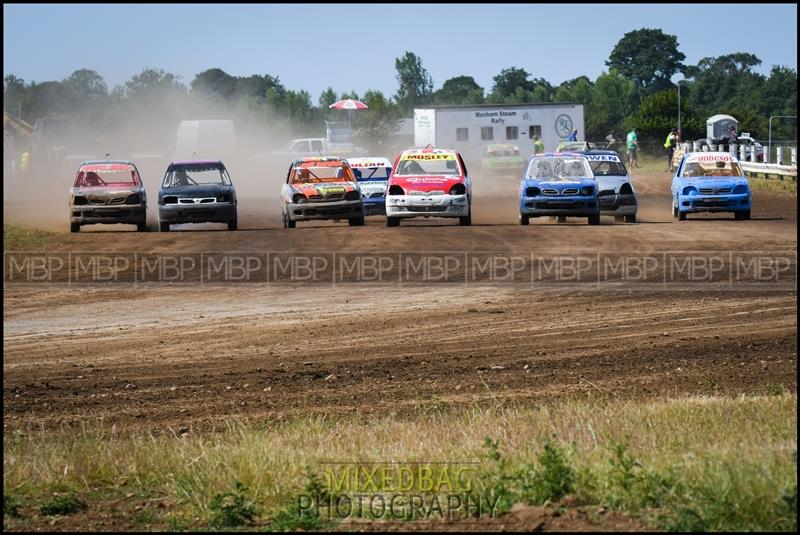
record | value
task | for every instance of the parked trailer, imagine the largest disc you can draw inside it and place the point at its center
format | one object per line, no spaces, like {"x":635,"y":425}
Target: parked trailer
{"x":470,"y":129}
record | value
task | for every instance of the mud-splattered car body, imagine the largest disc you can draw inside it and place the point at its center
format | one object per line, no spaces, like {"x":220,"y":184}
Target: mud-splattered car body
{"x":373,"y":176}
{"x":616,"y":194}
{"x":710,"y":182}
{"x":559,"y":184}
{"x":502,"y":160}
{"x":197,"y":191}
{"x":320,"y":188}
{"x":429,"y":182}
{"x":107,"y":191}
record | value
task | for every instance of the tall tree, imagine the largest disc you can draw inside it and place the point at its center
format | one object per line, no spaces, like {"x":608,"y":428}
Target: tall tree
{"x":459,"y":90}
{"x":415,"y":83}
{"x":214,"y":82}
{"x":649,"y":57}
{"x":150,"y":83}
{"x":508,"y":83}
{"x":613,"y":99}
{"x":576,"y":90}
{"x":380,"y":118}
{"x":86,"y":88}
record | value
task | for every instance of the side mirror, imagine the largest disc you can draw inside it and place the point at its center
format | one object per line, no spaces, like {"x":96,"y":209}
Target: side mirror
{"x":357,"y":173}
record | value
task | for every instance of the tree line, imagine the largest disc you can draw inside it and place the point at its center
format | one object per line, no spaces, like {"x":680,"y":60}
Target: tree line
{"x":635,"y":91}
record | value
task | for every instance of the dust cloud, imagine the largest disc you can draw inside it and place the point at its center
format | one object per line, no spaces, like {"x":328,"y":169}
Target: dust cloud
{"x":146,"y":133}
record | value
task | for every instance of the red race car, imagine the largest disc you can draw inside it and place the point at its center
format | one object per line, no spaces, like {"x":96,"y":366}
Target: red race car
{"x":429,"y":182}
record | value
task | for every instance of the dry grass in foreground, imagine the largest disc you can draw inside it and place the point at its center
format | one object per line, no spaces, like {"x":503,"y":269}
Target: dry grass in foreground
{"x":709,"y":463}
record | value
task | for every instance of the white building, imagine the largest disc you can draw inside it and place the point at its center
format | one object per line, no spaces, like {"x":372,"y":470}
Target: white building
{"x":469,"y":129}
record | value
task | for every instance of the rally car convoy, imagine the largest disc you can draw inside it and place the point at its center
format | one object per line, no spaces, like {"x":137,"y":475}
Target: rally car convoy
{"x":427,"y":182}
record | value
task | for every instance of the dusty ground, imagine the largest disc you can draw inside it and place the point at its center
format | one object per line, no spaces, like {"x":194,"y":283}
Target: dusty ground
{"x":186,"y":355}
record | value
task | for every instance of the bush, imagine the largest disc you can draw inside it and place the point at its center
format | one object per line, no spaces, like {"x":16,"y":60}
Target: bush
{"x":66,"y":504}
{"x":232,"y":509}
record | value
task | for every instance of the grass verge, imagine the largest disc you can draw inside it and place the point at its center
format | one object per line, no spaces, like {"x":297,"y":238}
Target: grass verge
{"x":712,"y":463}
{"x":16,"y":238}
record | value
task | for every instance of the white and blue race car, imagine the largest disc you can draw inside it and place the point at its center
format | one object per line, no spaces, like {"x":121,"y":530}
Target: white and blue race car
{"x":710,"y":182}
{"x":372,"y":175}
{"x":616,"y":194}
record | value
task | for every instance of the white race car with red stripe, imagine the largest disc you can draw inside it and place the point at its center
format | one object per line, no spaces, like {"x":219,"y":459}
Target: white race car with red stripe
{"x":429,"y":182}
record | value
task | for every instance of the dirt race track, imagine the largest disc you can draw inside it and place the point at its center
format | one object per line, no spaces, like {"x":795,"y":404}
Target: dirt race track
{"x":192,"y":355}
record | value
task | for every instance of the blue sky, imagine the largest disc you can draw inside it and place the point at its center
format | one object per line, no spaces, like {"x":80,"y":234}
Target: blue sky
{"x":353,"y":46}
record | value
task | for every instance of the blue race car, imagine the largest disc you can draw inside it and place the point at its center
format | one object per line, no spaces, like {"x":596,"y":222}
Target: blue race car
{"x":710,"y":182}
{"x":372,"y":175}
{"x":558,"y":184}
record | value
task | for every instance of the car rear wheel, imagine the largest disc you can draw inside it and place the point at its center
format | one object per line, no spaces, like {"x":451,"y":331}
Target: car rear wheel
{"x":466,"y":220}
{"x":524,"y":219}
{"x":674,"y":209}
{"x":141,"y":227}
{"x":742,"y":216}
{"x":233,"y":224}
{"x":681,"y":216}
{"x":74,"y":227}
{"x":631,"y":218}
{"x":594,"y":219}
{"x":392,"y":221}
{"x":356,"y":221}
{"x":163,"y":227}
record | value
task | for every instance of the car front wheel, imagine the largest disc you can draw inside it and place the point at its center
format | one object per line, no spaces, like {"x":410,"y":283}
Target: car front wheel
{"x":392,"y":221}
{"x":594,"y":219}
{"x":74,"y":227}
{"x":524,"y":219}
{"x":163,"y":227}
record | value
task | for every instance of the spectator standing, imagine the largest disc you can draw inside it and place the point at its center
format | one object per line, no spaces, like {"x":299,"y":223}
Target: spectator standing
{"x":632,"y":142}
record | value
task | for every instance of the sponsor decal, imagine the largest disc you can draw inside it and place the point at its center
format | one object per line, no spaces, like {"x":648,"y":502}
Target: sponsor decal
{"x":710,"y":158}
{"x":446,"y":156}
{"x":106,"y":168}
{"x":602,"y":158}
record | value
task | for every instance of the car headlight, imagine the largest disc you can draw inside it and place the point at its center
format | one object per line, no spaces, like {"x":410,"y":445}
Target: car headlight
{"x":587,"y":190}
{"x":352,"y":195}
{"x":133,"y":198}
{"x":223,"y":197}
{"x":690,"y":190}
{"x":299,"y":198}
{"x":740,"y":189}
{"x":458,"y":189}
{"x":626,"y":189}
{"x":79,"y":201}
{"x":532,"y":192}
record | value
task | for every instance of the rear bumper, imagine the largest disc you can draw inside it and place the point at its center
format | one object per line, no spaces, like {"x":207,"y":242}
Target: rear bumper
{"x":312,"y":211}
{"x":427,"y":205}
{"x":196,"y":213}
{"x":120,"y":213}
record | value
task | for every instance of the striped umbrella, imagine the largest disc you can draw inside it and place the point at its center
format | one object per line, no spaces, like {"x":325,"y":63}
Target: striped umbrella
{"x":348,"y":104}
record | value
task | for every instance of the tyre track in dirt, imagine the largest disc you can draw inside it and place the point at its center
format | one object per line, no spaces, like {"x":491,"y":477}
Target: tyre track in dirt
{"x":191,"y":355}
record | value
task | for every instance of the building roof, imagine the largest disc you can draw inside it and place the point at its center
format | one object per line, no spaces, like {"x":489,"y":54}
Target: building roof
{"x":500,"y":106}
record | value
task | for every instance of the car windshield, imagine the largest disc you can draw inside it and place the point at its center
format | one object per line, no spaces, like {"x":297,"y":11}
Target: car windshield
{"x":197,"y":175}
{"x":712,"y":169}
{"x":107,"y":175}
{"x":428,"y":164}
{"x":364,"y":174}
{"x":559,"y":168}
{"x":336,"y":171}
{"x":608,"y":168}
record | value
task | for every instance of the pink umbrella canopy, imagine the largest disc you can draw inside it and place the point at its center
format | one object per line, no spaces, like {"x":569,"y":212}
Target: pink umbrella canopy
{"x":348,"y":104}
